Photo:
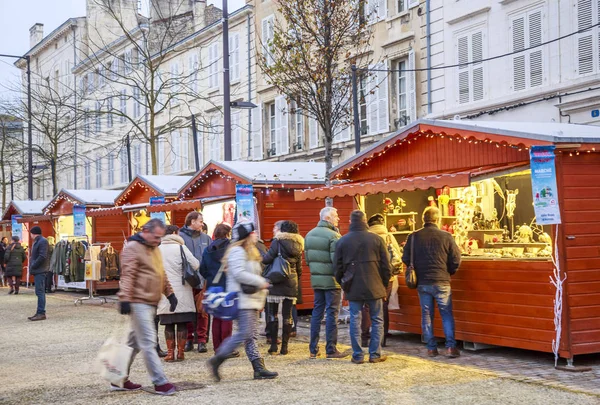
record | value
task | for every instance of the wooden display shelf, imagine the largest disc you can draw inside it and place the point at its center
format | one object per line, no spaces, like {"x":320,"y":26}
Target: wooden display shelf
{"x":399,"y":214}
{"x":402,"y":233}
{"x":516,"y":245}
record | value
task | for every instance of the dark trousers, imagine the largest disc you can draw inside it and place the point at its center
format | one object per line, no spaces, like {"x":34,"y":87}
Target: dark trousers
{"x":49,"y":281}
{"x":221,"y":330}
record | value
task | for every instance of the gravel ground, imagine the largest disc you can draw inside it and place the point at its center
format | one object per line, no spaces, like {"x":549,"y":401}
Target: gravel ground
{"x":52,"y":362}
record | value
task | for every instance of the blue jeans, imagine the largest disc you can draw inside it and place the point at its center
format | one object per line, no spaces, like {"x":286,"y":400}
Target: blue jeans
{"x":442,"y":294}
{"x":376,"y":314}
{"x":142,"y":338}
{"x":247,"y":333}
{"x":40,"y":291}
{"x":325,"y":300}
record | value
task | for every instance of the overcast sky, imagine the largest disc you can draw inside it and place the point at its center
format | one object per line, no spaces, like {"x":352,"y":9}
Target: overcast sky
{"x":17,"y":16}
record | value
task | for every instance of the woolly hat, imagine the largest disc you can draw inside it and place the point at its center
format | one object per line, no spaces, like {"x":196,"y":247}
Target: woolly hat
{"x":36,"y":230}
{"x":376,"y":220}
{"x":242,"y":230}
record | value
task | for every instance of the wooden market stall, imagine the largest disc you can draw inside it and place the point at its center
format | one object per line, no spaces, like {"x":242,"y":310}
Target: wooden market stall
{"x":31,"y":215}
{"x":274,"y":184}
{"x":60,"y":209}
{"x":478,"y":174}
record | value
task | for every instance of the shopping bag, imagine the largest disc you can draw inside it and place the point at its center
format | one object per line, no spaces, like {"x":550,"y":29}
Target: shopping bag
{"x":113,"y":361}
{"x":394,"y":303}
{"x":220,"y":303}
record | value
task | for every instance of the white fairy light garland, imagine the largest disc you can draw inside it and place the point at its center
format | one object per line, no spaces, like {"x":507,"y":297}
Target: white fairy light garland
{"x":557,"y":282}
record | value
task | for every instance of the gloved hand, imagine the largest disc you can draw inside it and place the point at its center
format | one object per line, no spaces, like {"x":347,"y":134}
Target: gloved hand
{"x":125,"y":308}
{"x":173,"y":301}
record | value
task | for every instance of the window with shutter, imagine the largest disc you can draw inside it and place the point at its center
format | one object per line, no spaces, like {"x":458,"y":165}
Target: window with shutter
{"x":257,"y":133}
{"x":123,"y":105}
{"x":127,"y":62}
{"x":98,"y":171}
{"x":87,"y":176}
{"x":175,"y":152}
{"x":215,"y":139}
{"x":411,"y":97}
{"x":267,"y":35}
{"x":111,"y":169}
{"x":114,"y":69}
{"x":185,"y":149}
{"x":98,"y":118}
{"x":375,"y":10}
{"x":377,"y":100}
{"x":123,"y":163}
{"x":587,"y":43}
{"x":528,"y":65}
{"x":313,"y":133}
{"x":234,"y":57}
{"x":137,"y":159}
{"x":236,"y":137}
{"x":174,"y":100}
{"x":471,"y":79}
{"x":281,"y":126}
{"x":213,"y":65}
{"x":109,"y":115}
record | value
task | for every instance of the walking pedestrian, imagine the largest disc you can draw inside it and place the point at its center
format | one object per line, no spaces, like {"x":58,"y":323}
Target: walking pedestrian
{"x":263,"y":250}
{"x":14,"y":257}
{"x":319,"y":246}
{"x":142,"y":284}
{"x":3,"y":245}
{"x":436,"y":257}
{"x":174,"y":252}
{"x":361,"y":260}
{"x":289,"y":244}
{"x":196,"y":241}
{"x":38,"y":266}
{"x":377,"y":225}
{"x":211,"y":263}
{"x":242,"y":262}
{"x":49,"y":273}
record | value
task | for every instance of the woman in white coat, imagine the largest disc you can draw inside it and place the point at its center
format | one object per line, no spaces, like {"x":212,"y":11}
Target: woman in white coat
{"x":171,"y":248}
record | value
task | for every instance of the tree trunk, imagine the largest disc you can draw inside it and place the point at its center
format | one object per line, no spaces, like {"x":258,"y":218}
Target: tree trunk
{"x":2,"y":172}
{"x":153,"y":144}
{"x":328,"y":161}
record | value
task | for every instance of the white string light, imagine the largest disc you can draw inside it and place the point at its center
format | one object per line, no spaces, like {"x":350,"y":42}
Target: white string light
{"x":557,"y":281}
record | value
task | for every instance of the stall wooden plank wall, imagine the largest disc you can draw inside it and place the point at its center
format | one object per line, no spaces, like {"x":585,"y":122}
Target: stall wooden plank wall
{"x":110,"y":228}
{"x":580,"y":197}
{"x":504,"y":303}
{"x":281,"y":205}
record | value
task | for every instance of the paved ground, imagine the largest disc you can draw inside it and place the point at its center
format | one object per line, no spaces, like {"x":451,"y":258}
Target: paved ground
{"x":52,"y":362}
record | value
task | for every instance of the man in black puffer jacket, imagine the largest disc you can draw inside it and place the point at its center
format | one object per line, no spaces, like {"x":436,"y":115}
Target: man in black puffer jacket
{"x":38,"y":264}
{"x":363,"y":255}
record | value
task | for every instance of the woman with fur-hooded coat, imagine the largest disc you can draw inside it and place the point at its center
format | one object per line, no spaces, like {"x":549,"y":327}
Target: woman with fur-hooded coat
{"x":291,"y":245}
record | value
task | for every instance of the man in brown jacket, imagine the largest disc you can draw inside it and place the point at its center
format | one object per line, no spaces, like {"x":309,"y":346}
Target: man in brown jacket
{"x":143,"y":281}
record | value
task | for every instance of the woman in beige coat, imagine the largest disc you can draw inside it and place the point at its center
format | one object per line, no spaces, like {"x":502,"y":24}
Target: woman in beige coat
{"x":171,"y":249}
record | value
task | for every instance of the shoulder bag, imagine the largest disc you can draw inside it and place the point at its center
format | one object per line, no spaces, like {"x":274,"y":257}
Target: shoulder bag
{"x":246,"y":288}
{"x":411,"y":275}
{"x":193,"y":277}
{"x":278,"y":271}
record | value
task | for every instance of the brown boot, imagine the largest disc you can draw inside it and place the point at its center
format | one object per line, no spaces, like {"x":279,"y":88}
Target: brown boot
{"x":181,"y":343}
{"x":170,"y":350}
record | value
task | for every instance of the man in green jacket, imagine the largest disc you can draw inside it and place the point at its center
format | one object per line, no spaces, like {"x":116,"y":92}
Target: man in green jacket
{"x":319,"y":247}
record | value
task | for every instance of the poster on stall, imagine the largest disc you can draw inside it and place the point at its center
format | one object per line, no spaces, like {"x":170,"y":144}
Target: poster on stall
{"x":158,"y":215}
{"x":79,"y":220}
{"x":244,"y":200}
{"x":17,"y":228}
{"x":543,"y":183}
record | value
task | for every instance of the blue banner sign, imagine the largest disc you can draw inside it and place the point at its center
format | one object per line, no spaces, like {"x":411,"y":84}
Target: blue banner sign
{"x":17,"y":228}
{"x":244,"y":199}
{"x":79,"y":220}
{"x":158,"y":215}
{"x":543,"y":183}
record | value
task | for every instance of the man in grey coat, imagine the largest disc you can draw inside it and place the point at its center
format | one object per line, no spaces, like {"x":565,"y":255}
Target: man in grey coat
{"x":196,"y":241}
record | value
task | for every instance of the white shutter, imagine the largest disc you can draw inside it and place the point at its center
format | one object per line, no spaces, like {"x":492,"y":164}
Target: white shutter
{"x":413,"y":3}
{"x":281,"y":124}
{"x":185,"y":149}
{"x":477,"y":68}
{"x":536,"y":72}
{"x":234,"y":57}
{"x":464,"y":90}
{"x":176,"y":153}
{"x":257,"y":133}
{"x":236,"y":137}
{"x":115,"y":68}
{"x":201,"y":134}
{"x":382,"y":9}
{"x":213,"y":68}
{"x":372,"y":101}
{"x":267,"y":35}
{"x":383,"y":112}
{"x":518,"y":43}
{"x":411,"y":81}
{"x":313,"y":133}
{"x":127,"y":62}
{"x":586,"y":40}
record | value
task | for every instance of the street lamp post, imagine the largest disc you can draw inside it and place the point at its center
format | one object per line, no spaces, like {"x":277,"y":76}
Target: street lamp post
{"x":29,"y":128}
{"x":226,"y":86}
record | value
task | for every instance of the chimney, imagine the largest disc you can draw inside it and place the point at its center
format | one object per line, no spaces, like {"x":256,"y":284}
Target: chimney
{"x":199,"y":12}
{"x":36,"y":34}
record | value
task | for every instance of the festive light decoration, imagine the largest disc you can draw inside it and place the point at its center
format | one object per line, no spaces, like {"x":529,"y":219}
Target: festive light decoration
{"x":137,"y":184}
{"x":59,"y":199}
{"x":201,"y":179}
{"x":557,"y":281}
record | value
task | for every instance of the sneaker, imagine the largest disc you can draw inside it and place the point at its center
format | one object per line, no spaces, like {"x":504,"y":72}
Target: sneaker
{"x":313,"y":356}
{"x":379,"y":359}
{"x":128,"y":386}
{"x":337,"y":355}
{"x":452,"y":353}
{"x":357,"y":361}
{"x":165,"y":389}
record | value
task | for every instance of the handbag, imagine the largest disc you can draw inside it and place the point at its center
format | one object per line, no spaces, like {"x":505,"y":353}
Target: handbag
{"x":219,"y":303}
{"x":411,"y":275}
{"x":193,"y":277}
{"x":278,"y":271}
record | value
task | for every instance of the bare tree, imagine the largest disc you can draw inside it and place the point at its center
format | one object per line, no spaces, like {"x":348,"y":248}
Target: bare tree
{"x":136,"y":61}
{"x":307,"y":53}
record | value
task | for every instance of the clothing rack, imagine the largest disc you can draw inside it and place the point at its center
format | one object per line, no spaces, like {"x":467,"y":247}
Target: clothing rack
{"x":90,"y":283}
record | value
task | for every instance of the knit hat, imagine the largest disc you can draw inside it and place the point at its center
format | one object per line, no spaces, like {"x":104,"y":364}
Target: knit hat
{"x":242,"y":230}
{"x":376,"y":219}
{"x":36,"y":230}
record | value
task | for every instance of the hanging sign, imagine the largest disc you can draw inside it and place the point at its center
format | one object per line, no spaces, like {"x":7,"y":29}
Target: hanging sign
{"x":244,"y":199}
{"x":158,"y":215}
{"x":79,"y":220}
{"x":543,"y":183}
{"x":17,"y":228}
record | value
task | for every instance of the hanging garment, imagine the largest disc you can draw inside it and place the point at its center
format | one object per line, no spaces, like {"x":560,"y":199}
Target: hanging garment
{"x":110,"y":267}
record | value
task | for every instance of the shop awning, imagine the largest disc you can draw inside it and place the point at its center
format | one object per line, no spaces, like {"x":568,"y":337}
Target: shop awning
{"x":385,"y":186}
{"x":134,"y":207}
{"x":104,"y":212}
{"x":35,"y":218}
{"x":175,"y":206}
